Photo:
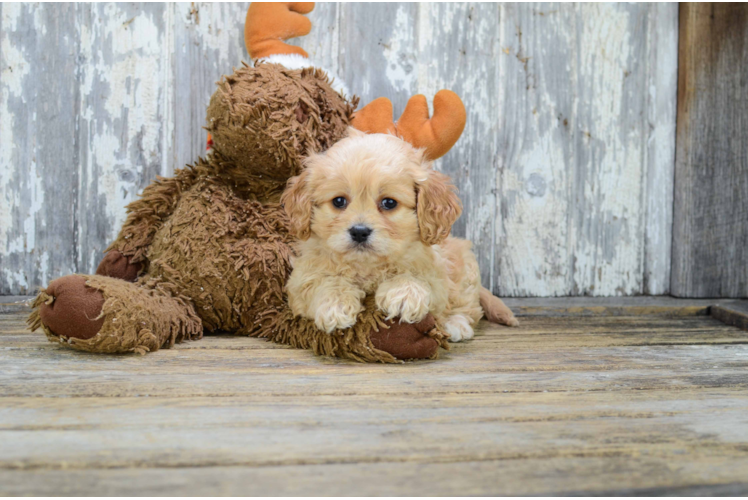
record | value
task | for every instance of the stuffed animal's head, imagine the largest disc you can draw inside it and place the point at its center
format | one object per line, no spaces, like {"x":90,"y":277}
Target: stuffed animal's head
{"x":265,"y":118}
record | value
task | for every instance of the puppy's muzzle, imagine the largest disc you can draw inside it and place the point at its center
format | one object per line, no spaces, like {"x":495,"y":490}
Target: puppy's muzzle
{"x":360,"y":233}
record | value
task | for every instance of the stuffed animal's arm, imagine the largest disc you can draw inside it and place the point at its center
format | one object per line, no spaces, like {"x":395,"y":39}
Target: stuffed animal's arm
{"x":148,"y":213}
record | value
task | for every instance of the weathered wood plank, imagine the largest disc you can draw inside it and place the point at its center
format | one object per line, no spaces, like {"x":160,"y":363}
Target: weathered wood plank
{"x":612,"y":306}
{"x":573,"y":143}
{"x":734,"y":313}
{"x":469,"y":69}
{"x":501,"y":360}
{"x":638,"y":260}
{"x":95,"y":413}
{"x":609,"y":325}
{"x":726,"y":489}
{"x":208,"y":42}
{"x":323,"y":42}
{"x":545,"y":306}
{"x":610,"y":142}
{"x":710,"y":232}
{"x":662,"y":74}
{"x":125,"y":128}
{"x":570,"y":326}
{"x":379,"y":51}
{"x":11,"y":304}
{"x":534,"y":149}
{"x":276,"y":432}
{"x":564,"y":339}
{"x":712,"y":475}
{"x":38,"y":135}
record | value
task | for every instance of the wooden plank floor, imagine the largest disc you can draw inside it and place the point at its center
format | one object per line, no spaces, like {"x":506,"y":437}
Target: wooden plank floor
{"x":653,"y":404}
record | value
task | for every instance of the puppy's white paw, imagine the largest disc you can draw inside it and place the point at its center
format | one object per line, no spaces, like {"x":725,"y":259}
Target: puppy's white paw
{"x":337,"y":314}
{"x":458,"y":327}
{"x":410,"y":300}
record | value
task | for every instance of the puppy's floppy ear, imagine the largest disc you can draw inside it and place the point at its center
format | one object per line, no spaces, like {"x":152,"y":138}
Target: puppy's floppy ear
{"x":437,"y":206}
{"x":297,"y":201}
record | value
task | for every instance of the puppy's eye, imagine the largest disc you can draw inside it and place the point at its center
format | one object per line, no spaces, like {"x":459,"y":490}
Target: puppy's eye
{"x":339,"y":202}
{"x":388,"y":203}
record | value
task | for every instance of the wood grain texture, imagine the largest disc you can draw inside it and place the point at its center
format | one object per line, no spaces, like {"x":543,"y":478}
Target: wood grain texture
{"x":573,"y":148}
{"x":539,"y":306}
{"x":565,"y":167}
{"x":735,"y":314}
{"x":470,"y":70}
{"x":208,"y":41}
{"x":379,"y":51}
{"x":38,"y":136}
{"x":662,"y":43}
{"x":244,"y":432}
{"x":124,"y":77}
{"x":710,"y":233}
{"x":97,"y":101}
{"x":544,"y":354}
{"x":609,"y":476}
{"x":559,"y":405}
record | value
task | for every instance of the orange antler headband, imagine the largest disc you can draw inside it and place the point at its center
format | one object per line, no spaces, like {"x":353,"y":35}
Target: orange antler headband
{"x":437,"y":134}
{"x":269,"y":24}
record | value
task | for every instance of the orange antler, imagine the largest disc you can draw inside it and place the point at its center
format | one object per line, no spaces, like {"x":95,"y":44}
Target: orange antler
{"x":437,"y":135}
{"x":268,"y":24}
{"x":375,"y":117}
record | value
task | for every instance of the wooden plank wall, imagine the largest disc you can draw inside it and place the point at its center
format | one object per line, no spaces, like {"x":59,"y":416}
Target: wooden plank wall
{"x":710,"y":253}
{"x":565,"y":167}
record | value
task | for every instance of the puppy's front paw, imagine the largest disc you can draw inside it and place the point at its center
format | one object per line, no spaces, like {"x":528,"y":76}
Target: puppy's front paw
{"x":337,"y":314}
{"x":458,"y":327}
{"x":405,"y":298}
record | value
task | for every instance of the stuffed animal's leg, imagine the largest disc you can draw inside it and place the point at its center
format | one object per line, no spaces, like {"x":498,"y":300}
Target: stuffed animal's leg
{"x":109,"y":315}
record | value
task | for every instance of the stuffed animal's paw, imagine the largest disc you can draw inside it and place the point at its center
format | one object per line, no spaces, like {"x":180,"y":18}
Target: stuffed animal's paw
{"x":337,"y":313}
{"x":407,"y":341}
{"x":406,"y":298}
{"x":72,"y":309}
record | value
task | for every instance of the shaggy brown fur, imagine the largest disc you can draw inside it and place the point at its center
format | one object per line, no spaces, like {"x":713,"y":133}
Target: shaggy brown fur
{"x":212,"y":243}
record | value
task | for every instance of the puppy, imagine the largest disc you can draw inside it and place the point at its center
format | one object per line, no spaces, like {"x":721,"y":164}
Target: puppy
{"x":373,"y":217}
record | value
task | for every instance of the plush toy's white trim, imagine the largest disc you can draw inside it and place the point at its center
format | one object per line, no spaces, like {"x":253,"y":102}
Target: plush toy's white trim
{"x":297,"y":61}
{"x":290,"y":61}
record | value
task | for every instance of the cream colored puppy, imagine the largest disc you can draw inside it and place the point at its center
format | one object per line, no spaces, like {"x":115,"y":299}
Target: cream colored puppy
{"x":373,"y":217}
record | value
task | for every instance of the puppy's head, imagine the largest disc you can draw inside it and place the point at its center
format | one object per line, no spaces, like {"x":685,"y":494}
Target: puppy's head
{"x":371,"y":195}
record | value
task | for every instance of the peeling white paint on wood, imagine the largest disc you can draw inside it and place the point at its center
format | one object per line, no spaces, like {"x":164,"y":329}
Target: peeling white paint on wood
{"x":37,"y":144}
{"x":124,"y":77}
{"x":208,"y":41}
{"x":565,"y":166}
{"x":662,"y":43}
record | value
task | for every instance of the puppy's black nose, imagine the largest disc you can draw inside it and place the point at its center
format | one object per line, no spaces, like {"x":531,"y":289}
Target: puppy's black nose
{"x":360,"y":233}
